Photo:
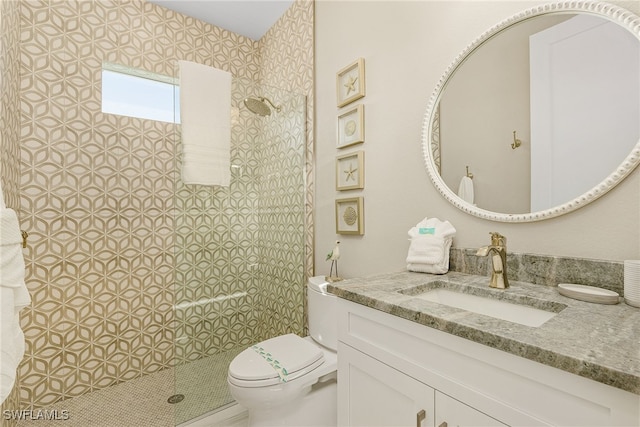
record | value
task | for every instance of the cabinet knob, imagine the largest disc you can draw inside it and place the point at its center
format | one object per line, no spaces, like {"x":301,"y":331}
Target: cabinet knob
{"x":420,"y":417}
{"x":443,"y":424}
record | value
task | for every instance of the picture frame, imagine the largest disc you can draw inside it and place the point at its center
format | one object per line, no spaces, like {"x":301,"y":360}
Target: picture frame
{"x":350,"y":216}
{"x":350,"y":83}
{"x":350,"y":171}
{"x":350,"y":127}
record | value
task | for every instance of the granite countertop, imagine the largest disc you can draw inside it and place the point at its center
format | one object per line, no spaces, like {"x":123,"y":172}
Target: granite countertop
{"x":596,"y":341}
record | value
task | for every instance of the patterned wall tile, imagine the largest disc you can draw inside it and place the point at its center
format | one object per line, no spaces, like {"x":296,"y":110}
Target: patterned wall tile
{"x":10,"y":101}
{"x":287,"y":50}
{"x":98,"y":196}
{"x":10,"y":133}
{"x":117,"y":240}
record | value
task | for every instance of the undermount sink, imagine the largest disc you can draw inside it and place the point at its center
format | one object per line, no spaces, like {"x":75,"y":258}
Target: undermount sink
{"x":496,"y":308}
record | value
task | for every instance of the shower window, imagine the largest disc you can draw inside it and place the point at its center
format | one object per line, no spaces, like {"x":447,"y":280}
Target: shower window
{"x":137,"y":93}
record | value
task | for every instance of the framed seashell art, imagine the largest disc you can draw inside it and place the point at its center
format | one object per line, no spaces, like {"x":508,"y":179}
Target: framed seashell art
{"x":350,"y":216}
{"x":350,"y":171}
{"x":351,"y":127}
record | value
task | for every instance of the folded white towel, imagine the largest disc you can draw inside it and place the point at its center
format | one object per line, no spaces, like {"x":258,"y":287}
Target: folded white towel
{"x":430,"y":242}
{"x":442,"y":229}
{"x":426,"y":249}
{"x":205,"y":115}
{"x":14,"y":296}
{"x":427,"y":265}
{"x":465,"y":189}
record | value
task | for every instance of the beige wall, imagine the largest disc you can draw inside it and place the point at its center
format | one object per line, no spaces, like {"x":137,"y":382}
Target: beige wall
{"x":485,"y":101}
{"x":407,"y":46}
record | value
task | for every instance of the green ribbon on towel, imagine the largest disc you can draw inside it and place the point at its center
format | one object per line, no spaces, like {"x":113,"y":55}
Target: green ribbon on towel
{"x":275,"y":364}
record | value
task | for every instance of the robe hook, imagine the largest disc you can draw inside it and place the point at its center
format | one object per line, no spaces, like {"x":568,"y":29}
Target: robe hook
{"x":516,"y":142}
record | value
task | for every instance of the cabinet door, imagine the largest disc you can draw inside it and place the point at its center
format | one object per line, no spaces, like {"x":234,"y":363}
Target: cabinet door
{"x":371,"y":393}
{"x":453,"y":413}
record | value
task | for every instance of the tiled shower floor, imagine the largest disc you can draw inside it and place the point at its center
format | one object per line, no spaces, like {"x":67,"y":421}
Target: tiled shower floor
{"x":143,"y":402}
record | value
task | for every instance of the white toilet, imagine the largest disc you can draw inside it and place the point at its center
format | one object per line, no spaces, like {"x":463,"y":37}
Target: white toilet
{"x":289,"y":380}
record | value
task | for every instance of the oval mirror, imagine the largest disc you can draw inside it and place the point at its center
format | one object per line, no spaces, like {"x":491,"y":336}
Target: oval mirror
{"x":540,"y":115}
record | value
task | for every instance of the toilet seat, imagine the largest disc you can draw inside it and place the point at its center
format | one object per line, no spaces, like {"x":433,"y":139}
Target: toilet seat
{"x":261,"y":365}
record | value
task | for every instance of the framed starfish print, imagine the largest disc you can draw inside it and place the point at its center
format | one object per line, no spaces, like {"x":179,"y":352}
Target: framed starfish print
{"x":351,"y":127}
{"x":350,"y":82}
{"x":350,"y":171}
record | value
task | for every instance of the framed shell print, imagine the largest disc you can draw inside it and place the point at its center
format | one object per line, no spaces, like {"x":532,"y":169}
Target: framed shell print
{"x":351,"y":127}
{"x":350,"y":216}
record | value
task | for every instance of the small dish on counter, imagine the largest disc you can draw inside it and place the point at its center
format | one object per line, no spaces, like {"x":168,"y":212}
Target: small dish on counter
{"x":588,"y":293}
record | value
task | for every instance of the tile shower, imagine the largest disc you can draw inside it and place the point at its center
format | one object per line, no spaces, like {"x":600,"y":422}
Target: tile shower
{"x":116,"y":241}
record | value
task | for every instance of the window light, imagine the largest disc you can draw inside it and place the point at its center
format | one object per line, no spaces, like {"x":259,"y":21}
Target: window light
{"x":137,"y":93}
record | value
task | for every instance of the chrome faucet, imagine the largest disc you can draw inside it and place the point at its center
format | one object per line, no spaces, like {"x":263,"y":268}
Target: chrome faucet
{"x":498,"y":260}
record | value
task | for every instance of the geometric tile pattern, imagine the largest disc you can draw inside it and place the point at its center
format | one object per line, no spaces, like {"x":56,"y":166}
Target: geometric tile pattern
{"x":115,"y":240}
{"x":281,"y":236}
{"x":241,"y":248}
{"x":10,"y":132}
{"x":287,"y":50}
{"x":97,"y":200}
{"x":10,"y":102}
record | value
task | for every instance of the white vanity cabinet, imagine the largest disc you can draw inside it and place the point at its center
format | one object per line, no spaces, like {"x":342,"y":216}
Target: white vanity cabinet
{"x":390,"y":369}
{"x":379,"y":395}
{"x":450,"y":412}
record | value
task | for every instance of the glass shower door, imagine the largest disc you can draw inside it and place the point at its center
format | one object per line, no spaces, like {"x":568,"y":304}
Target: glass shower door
{"x":239,"y":248}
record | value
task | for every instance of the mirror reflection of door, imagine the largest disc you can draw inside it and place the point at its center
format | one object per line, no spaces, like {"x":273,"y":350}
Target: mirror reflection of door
{"x":585,"y":94}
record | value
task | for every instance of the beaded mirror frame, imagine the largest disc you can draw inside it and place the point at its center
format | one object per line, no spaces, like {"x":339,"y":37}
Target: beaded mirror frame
{"x":622,"y":17}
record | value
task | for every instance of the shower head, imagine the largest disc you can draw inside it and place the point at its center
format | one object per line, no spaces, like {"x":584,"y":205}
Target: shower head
{"x":259,"y":106}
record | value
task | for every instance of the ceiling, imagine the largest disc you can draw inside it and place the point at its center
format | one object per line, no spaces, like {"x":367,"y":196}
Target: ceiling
{"x":250,"y":18}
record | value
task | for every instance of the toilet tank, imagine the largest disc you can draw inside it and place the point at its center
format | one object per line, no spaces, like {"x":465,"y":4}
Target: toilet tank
{"x":321,"y":307}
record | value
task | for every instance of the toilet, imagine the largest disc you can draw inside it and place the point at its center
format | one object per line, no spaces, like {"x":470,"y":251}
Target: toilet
{"x":289,"y":380}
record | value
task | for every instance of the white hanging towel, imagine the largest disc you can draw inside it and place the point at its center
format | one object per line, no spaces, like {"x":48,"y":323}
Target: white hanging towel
{"x":14,"y":296}
{"x":205,"y":115}
{"x":465,"y":190}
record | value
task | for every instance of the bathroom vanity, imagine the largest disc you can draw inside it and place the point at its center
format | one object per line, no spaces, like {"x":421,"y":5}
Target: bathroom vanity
{"x":405,"y":359}
{"x":446,"y":350}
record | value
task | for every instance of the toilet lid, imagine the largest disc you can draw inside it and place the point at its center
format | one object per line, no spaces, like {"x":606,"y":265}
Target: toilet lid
{"x":318,"y":284}
{"x":276,"y":360}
